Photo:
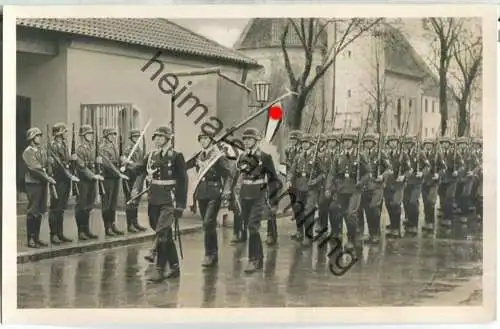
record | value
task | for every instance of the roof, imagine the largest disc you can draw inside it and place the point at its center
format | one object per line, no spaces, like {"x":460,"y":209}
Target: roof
{"x":156,"y":33}
{"x":267,"y":32}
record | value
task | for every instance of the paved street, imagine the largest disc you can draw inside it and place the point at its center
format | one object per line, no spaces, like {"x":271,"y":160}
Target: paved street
{"x":411,"y":271}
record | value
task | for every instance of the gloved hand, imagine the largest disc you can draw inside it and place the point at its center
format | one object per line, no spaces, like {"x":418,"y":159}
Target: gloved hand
{"x":379,"y":179}
{"x":400,"y":179}
{"x":419,"y":174}
{"x":435,"y":176}
{"x":51,"y":180}
{"x":75,"y":179}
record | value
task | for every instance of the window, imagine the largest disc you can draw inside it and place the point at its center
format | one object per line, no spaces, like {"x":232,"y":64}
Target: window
{"x":394,"y":130}
{"x":349,"y":54}
{"x":398,"y":113}
{"x":433,"y":105}
{"x":432,"y":131}
{"x":123,"y":117}
{"x":426,"y":105}
{"x":349,"y":93}
{"x":426,"y":132}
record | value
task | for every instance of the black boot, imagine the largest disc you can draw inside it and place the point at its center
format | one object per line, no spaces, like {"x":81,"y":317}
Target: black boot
{"x":60,"y":230}
{"x":138,"y":227}
{"x":54,"y":239}
{"x":157,"y":276}
{"x":112,"y":219}
{"x":30,"y":229}
{"x":87,"y":226}
{"x":254,"y":266}
{"x":210,"y":261}
{"x":115,"y":230}
{"x":172,"y":260}
{"x":130,"y":221}
{"x":37,"y":232}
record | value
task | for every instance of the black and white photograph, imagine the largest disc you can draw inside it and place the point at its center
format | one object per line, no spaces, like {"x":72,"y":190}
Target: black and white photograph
{"x":313,"y":162}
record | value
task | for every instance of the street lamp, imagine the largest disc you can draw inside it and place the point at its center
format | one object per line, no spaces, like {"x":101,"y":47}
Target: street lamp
{"x":261,"y":91}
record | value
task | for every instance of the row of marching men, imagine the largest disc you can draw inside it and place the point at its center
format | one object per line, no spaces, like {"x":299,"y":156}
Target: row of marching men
{"x":349,"y":178}
{"x":77,"y":170}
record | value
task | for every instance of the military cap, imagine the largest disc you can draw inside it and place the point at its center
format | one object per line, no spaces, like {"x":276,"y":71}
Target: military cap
{"x":295,"y":134}
{"x":86,"y":129}
{"x":323,"y":137}
{"x":333,"y":137}
{"x":370,"y":137}
{"x":58,"y":129}
{"x":251,"y":133}
{"x":462,"y":140}
{"x":445,"y":139}
{"x":32,"y":133}
{"x":163,"y":131}
{"x":109,"y":131}
{"x":390,"y":138}
{"x":134,"y":133}
{"x":428,"y":141}
{"x":477,"y":141}
{"x":306,"y":138}
{"x":410,"y":140}
{"x":350,"y":137}
{"x":203,"y":134}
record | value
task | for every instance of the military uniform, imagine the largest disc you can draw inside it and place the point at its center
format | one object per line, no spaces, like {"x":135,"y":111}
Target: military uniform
{"x":108,"y":150}
{"x":86,"y":172}
{"x":448,"y":183}
{"x":326,"y":155}
{"x":37,"y":177}
{"x":136,"y":159}
{"x":256,"y":174}
{"x":418,"y":167}
{"x":468,"y":165}
{"x":291,"y":152}
{"x":214,"y":186}
{"x":61,"y":160}
{"x":307,"y":177}
{"x":372,"y":197}
{"x":430,"y":185}
{"x":393,"y":191}
{"x":167,"y":197}
{"x":477,"y":190}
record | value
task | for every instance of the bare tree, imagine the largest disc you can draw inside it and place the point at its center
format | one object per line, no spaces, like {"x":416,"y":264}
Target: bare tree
{"x":446,"y":32}
{"x":309,"y":32}
{"x":468,"y":56}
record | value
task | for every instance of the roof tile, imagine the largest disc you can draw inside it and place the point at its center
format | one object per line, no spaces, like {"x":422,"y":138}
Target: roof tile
{"x":150,"y":32}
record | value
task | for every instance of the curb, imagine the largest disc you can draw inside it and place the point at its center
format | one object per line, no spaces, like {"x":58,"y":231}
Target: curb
{"x":82,"y":247}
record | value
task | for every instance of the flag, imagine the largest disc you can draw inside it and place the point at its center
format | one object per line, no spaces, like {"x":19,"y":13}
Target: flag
{"x":274,"y":119}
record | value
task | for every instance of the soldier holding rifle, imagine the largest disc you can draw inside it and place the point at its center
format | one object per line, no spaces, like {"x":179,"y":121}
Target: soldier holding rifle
{"x":291,"y":151}
{"x":37,"y":176}
{"x":89,"y":176}
{"x":136,"y":157}
{"x":306,"y":177}
{"x":448,"y":184}
{"x":167,"y":197}
{"x":61,"y":159}
{"x":416,"y":165}
{"x":430,"y":183}
{"x":108,"y":151}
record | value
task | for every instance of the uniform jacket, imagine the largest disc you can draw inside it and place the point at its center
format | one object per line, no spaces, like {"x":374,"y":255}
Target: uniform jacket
{"x":306,"y":171}
{"x":400,"y":167}
{"x":111,"y":159}
{"x":61,"y":160}
{"x":253,"y":168}
{"x":290,"y":154}
{"x":218,"y":179}
{"x":347,"y":164}
{"x":412,"y":162}
{"x":167,"y":171}
{"x":433,"y":168}
{"x":86,"y":161}
{"x":378,"y":166}
{"x":451,"y":161}
{"x":37,"y":163}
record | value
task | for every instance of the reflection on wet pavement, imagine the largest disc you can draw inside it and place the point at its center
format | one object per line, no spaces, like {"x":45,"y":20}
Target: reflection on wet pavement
{"x":396,"y":273}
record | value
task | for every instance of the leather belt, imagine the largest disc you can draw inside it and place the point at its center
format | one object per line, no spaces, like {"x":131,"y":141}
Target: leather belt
{"x":254,"y":182}
{"x":167,"y":182}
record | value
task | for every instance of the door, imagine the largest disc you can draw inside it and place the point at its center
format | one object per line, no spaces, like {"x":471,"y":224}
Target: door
{"x":23,"y":122}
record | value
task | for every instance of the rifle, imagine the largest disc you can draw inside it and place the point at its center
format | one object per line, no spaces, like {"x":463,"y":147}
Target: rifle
{"x":318,"y":142}
{"x":403,"y":135}
{"x":120,"y":155}
{"x":74,"y":186}
{"x":52,"y":187}
{"x":97,"y":164}
{"x":379,"y":148}
{"x":361,"y":135}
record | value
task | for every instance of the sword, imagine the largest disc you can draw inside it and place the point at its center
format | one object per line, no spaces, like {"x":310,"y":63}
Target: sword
{"x":136,"y":145}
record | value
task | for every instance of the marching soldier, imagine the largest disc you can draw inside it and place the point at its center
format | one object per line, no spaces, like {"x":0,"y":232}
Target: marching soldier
{"x":477,"y":193}
{"x":393,"y":191}
{"x":306,"y":177}
{"x":418,"y":166}
{"x":272,"y":225}
{"x":326,"y":151}
{"x":136,"y":160}
{"x":448,"y":184}
{"x":344,"y":174}
{"x":213,"y":188}
{"x":86,"y":166}
{"x":372,"y":197}
{"x":466,"y":170}
{"x":291,"y":151}
{"x":257,"y":173}
{"x":333,"y":207}
{"x":108,"y":150}
{"x":167,"y":170}
{"x":37,"y":176}
{"x":61,"y":159}
{"x":240,"y":228}
{"x":430,"y":184}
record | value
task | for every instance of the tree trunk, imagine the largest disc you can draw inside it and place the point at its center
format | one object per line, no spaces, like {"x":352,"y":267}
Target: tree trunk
{"x":443,"y":103}
{"x":462,"y":116}
{"x":294,"y":114}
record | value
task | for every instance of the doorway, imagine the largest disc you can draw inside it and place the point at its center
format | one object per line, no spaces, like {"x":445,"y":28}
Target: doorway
{"x":23,"y":123}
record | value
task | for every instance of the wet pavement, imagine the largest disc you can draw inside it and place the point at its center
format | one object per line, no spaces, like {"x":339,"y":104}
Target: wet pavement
{"x":405,"y":272}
